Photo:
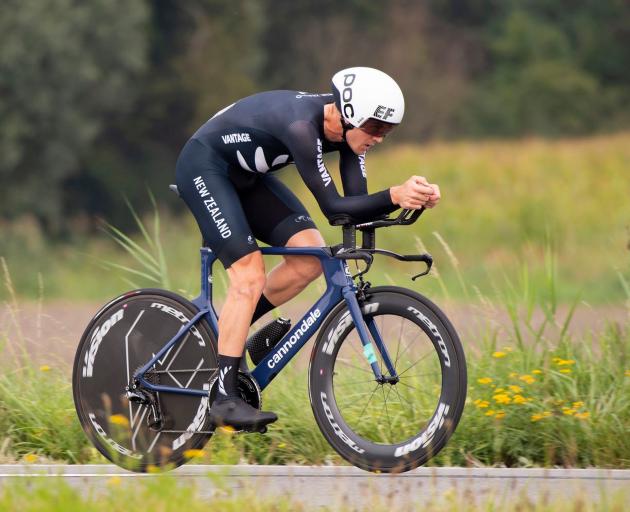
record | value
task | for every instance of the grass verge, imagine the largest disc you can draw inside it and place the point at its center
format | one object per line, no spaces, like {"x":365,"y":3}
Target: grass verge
{"x":165,"y":493}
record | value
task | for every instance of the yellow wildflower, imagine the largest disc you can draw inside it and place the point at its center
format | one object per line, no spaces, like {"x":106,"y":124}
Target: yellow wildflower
{"x":44,"y":368}
{"x":568,"y":411}
{"x":515,"y":389}
{"x":484,"y":380}
{"x":500,"y":415}
{"x":490,"y":413}
{"x":565,"y":362}
{"x":119,"y":419}
{"x":282,"y":445}
{"x":502,"y":398}
{"x":482,"y":404}
{"x":565,"y":370}
{"x":556,"y":359}
{"x":499,"y":354}
{"x":577,"y":405}
{"x":627,"y":374}
{"x":30,"y":458}
{"x":537,"y":417}
{"x":527,"y":379}
{"x":583,"y":415}
{"x":498,"y":390}
{"x":192,"y":453}
{"x":537,"y":372}
{"x":519,"y":399}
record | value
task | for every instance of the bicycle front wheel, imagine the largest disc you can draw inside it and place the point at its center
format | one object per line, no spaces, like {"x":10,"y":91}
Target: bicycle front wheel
{"x":399,"y":422}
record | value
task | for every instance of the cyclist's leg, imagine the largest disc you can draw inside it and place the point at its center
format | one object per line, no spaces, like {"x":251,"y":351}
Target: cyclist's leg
{"x":203,"y":181}
{"x":294,"y":273}
{"x":285,"y":223}
{"x":202,"y":178}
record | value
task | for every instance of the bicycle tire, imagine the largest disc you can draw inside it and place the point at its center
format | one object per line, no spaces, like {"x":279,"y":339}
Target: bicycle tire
{"x":122,"y":337}
{"x":361,"y":438}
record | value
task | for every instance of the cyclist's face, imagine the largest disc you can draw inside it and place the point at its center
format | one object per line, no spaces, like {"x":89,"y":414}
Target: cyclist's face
{"x":361,"y":141}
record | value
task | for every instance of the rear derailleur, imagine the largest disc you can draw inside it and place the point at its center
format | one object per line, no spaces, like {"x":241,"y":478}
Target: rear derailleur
{"x":135,"y":393}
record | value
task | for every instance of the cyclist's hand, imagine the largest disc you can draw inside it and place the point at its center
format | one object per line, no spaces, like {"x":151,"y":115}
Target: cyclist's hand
{"x":435,"y":197}
{"x":413,"y":193}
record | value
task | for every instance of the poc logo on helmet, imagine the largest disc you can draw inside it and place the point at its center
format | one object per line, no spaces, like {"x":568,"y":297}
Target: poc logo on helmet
{"x":383,"y":113}
{"x":346,"y":94}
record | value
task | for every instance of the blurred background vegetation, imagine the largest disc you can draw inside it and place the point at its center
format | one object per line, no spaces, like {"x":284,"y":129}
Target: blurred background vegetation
{"x":97,"y":98}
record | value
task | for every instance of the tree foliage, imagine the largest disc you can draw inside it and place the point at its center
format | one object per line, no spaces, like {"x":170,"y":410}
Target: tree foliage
{"x":97,"y":98}
{"x":65,"y":67}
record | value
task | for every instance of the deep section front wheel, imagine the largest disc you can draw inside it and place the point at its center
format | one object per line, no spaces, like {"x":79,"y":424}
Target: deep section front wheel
{"x":122,"y":337}
{"x":399,"y":422}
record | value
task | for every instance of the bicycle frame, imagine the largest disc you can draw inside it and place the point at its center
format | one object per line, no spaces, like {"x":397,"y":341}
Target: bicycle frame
{"x":340,"y":286}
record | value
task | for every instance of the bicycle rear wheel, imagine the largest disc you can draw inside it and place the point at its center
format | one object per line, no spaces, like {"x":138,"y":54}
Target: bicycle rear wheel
{"x":123,"y":336}
{"x":396,"y":424}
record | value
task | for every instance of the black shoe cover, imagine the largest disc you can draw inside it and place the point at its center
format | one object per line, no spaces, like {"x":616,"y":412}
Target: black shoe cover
{"x":236,"y":413}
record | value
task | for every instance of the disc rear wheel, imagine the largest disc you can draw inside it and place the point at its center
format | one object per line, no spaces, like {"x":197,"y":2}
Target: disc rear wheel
{"x":124,"y":336}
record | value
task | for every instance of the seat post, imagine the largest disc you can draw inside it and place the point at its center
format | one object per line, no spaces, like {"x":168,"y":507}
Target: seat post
{"x":349,"y":237}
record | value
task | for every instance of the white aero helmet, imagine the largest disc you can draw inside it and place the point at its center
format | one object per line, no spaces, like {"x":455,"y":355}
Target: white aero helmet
{"x":368,"y":99}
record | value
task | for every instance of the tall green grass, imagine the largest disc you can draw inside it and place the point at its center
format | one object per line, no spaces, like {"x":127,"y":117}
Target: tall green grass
{"x":538,"y":396}
{"x":501,"y":201}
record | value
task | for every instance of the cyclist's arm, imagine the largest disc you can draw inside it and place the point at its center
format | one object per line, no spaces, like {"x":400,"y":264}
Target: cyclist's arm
{"x":352,"y":170}
{"x":302,"y":140}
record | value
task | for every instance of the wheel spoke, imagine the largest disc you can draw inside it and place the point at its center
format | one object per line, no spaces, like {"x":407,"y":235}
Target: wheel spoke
{"x":407,"y":385}
{"x":369,"y":400}
{"x":389,"y":421}
{"x":418,"y":375}
{"x":399,"y":338}
{"x":354,"y":382}
{"x":411,"y":343}
{"x":414,"y":364}
{"x":352,"y":365}
{"x":401,"y":399}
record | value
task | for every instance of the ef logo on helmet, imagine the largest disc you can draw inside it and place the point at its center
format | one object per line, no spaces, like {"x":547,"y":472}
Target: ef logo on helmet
{"x":346,"y":94}
{"x":383,"y":113}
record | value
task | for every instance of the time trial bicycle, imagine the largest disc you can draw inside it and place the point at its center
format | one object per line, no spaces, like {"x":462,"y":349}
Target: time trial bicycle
{"x":387,"y":374}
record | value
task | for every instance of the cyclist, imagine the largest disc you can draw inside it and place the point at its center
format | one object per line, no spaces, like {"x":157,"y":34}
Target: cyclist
{"x":225,"y":176}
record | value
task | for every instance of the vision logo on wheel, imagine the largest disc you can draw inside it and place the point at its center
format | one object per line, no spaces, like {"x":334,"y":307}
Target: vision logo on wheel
{"x":427,"y":436}
{"x":96,"y":340}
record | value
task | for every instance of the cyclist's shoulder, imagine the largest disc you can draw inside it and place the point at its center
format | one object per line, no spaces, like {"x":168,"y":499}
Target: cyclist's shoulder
{"x":296,"y":100}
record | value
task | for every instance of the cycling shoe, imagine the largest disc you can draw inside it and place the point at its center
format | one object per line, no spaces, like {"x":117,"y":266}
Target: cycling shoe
{"x":237,"y":413}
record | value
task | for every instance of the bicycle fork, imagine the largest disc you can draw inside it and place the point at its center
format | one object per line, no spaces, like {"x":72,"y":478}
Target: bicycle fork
{"x":349,"y":294}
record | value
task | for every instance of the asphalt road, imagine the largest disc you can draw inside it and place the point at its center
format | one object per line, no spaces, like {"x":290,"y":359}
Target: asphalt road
{"x":328,"y":486}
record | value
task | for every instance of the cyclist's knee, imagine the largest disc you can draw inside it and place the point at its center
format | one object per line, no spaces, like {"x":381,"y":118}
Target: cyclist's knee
{"x":247,"y":276}
{"x":307,"y":268}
